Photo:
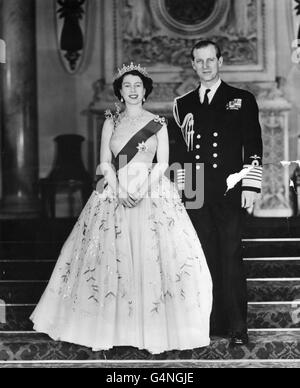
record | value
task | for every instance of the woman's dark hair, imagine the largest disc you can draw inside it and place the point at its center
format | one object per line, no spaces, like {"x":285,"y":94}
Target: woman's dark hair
{"x":147,"y":82}
{"x":203,"y":44}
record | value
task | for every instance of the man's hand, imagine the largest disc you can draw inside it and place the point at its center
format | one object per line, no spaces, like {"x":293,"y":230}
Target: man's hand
{"x":248,"y":199}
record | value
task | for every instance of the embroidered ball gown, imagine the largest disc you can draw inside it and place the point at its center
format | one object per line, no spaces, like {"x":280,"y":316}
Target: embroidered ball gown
{"x":130,"y":276}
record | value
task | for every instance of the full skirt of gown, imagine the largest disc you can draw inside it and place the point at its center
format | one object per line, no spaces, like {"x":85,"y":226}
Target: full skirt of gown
{"x":130,"y":277}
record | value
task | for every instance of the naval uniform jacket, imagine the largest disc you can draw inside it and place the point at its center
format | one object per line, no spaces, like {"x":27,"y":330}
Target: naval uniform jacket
{"x":223,"y":138}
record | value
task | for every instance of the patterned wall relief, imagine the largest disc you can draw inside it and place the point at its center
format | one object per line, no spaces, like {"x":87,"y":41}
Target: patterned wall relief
{"x":161,"y":33}
{"x":274,"y":118}
{"x":164,"y":31}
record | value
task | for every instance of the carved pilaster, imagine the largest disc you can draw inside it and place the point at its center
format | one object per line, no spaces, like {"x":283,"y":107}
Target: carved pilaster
{"x":274,"y":117}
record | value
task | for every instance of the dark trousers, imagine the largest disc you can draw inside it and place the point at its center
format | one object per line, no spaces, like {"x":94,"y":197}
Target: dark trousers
{"x":219,"y":227}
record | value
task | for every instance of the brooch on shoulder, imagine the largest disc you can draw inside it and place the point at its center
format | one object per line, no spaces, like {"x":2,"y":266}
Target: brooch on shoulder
{"x":114,"y":116}
{"x":160,"y":120}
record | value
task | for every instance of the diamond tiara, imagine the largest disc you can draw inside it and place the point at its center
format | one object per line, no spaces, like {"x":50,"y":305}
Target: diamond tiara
{"x":125,"y":69}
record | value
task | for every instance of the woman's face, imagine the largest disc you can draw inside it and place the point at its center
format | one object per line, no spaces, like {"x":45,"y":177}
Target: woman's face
{"x":133,"y":90}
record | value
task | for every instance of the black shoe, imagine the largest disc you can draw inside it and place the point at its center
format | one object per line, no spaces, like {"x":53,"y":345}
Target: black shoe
{"x":239,"y":339}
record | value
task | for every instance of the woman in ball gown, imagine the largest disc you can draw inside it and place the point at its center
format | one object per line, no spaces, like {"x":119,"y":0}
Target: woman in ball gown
{"x":132,"y":272}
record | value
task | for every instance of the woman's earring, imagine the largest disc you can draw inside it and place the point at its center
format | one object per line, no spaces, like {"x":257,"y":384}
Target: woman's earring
{"x":144,"y":99}
{"x":122,"y":99}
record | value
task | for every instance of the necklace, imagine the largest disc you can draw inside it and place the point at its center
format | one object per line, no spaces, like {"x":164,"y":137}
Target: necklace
{"x":134,"y":119}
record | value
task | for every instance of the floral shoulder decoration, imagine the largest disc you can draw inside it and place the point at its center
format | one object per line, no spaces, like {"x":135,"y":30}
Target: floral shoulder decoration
{"x":114,"y":116}
{"x":160,"y":120}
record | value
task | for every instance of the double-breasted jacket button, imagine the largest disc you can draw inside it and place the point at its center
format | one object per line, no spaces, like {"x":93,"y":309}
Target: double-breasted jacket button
{"x":198,"y":136}
{"x":215,"y":145}
{"x":216,"y":134}
{"x":215,"y":155}
{"x":197,"y":146}
{"x":215,"y":166}
{"x":197,"y":157}
{"x":198,"y":167}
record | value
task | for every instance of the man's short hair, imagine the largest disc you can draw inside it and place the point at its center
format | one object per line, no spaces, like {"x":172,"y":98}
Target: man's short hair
{"x":205,"y":43}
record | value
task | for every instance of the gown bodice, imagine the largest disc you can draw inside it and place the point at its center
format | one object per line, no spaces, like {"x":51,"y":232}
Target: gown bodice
{"x":133,"y":174}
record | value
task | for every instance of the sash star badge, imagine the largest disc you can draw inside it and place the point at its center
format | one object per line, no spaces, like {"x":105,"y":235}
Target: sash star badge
{"x":142,"y":147}
{"x":235,"y":104}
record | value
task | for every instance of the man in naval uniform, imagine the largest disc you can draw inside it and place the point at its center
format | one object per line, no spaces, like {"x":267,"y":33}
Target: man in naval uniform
{"x":221,"y":135}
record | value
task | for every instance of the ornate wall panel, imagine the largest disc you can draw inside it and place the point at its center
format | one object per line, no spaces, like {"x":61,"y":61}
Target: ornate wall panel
{"x":274,"y":118}
{"x":160,"y":34}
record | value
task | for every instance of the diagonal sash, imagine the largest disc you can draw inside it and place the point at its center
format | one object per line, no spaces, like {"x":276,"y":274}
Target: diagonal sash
{"x":130,"y":149}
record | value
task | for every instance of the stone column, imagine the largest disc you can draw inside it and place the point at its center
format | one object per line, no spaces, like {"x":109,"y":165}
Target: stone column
{"x":19,"y":110}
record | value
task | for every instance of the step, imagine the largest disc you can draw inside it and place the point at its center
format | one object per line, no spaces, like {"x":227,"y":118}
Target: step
{"x":259,"y":290}
{"x":271,"y":315}
{"x":272,"y":227}
{"x":273,"y":290}
{"x":26,"y":269}
{"x":255,"y":268}
{"x":273,"y":267}
{"x":154,"y":366}
{"x":17,"y":317}
{"x":264,"y":345}
{"x":49,"y":250}
{"x":271,"y":247}
{"x":22,"y":292}
{"x":30,"y":250}
{"x":36,"y":229}
{"x":53,"y":229}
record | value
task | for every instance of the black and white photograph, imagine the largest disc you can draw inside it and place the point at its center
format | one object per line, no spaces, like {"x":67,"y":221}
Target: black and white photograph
{"x":149,"y":187}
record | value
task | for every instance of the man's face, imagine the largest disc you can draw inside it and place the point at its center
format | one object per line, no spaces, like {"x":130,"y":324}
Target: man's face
{"x":206,"y":64}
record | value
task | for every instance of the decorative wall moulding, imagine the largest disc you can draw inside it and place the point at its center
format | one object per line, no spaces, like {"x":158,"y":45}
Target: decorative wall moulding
{"x":275,"y":198}
{"x":190,"y":18}
{"x":159,"y":34}
{"x":72,"y":19}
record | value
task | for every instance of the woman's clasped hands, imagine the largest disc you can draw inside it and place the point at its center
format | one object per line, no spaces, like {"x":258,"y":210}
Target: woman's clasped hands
{"x":129,"y":200}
